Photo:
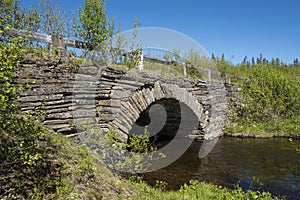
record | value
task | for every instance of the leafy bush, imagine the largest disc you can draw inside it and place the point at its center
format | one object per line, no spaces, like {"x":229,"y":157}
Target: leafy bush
{"x":271,"y":94}
{"x":23,"y":164}
{"x":92,"y":26}
{"x":270,"y":97}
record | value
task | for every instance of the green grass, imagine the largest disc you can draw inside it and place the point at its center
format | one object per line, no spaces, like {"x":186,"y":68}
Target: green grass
{"x":83,"y":175}
{"x":167,"y":71}
{"x":275,"y":128}
{"x":197,"y":190}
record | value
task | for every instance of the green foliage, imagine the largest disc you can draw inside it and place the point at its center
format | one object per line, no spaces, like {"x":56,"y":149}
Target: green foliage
{"x":9,"y":10}
{"x":201,"y":67}
{"x":115,"y":139}
{"x":50,"y":19}
{"x":161,"y":185}
{"x":10,"y":54}
{"x":124,"y":51}
{"x":92,"y":25}
{"x":31,"y":19}
{"x":194,"y":73}
{"x":297,"y":147}
{"x":19,"y":133}
{"x":198,"y":190}
{"x":15,"y":16}
{"x":130,"y":156}
{"x":270,"y":98}
{"x":271,"y":94}
{"x":25,"y":162}
{"x":170,"y":71}
{"x":199,"y":61}
{"x":140,"y":143}
{"x":132,"y":58}
{"x":136,"y":143}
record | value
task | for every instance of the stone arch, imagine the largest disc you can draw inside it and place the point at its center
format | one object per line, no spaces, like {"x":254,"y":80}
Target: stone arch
{"x":141,"y":99}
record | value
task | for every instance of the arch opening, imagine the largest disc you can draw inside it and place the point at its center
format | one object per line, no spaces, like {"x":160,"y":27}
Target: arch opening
{"x":162,"y":120}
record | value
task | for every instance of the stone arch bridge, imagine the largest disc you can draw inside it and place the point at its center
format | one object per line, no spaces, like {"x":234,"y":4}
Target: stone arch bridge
{"x":70,"y":94}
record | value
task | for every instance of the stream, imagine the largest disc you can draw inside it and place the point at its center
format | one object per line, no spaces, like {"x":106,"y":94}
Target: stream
{"x":271,"y":165}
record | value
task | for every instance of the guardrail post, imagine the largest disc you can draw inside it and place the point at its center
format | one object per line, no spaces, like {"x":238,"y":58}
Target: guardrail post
{"x":141,"y":61}
{"x":209,"y":75}
{"x":183,"y":69}
{"x":58,"y":41}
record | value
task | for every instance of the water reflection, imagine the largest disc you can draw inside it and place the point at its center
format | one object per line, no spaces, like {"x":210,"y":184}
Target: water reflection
{"x":259,"y":164}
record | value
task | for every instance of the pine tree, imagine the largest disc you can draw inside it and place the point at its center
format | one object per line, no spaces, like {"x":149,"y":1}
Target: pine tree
{"x":213,"y":57}
{"x":273,"y":62}
{"x":253,"y":61}
{"x":245,"y":60}
{"x":277,"y":62}
{"x":223,"y":58}
{"x":296,"y":61}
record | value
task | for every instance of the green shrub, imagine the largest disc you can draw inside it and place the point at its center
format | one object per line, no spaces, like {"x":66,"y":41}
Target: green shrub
{"x":271,"y":94}
{"x":270,"y":98}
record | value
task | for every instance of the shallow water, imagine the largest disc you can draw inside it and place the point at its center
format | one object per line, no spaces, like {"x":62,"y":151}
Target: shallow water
{"x":271,"y":165}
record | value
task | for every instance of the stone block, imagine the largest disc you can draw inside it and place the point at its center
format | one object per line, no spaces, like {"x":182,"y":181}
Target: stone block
{"x":64,"y":115}
{"x":148,"y":95}
{"x":141,"y":100}
{"x":120,"y":94}
{"x":110,"y":103}
{"x":157,"y":91}
{"x":80,"y":113}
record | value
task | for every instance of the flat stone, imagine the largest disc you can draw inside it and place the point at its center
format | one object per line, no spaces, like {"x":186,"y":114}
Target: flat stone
{"x":142,"y":100}
{"x":133,"y":111}
{"x":58,"y":126}
{"x":59,"y":110}
{"x":80,"y":113}
{"x":148,"y":95}
{"x":120,"y":94}
{"x":110,"y":103}
{"x":134,"y":102}
{"x":65,"y":115}
{"x":57,"y":121}
{"x":157,"y":91}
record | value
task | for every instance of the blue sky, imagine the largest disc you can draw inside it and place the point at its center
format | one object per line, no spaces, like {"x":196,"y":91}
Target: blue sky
{"x":236,"y":28}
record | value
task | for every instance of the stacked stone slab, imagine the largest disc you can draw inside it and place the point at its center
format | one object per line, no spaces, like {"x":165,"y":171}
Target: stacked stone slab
{"x":50,"y":91}
{"x":217,"y":110}
{"x":72,"y":96}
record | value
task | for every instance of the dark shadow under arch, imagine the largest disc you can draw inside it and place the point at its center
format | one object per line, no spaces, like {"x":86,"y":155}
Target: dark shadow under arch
{"x":177,"y":113}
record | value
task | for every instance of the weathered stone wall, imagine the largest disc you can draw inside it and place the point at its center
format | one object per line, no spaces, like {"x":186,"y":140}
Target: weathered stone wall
{"x":213,"y":97}
{"x":50,"y":90}
{"x":73,"y":95}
